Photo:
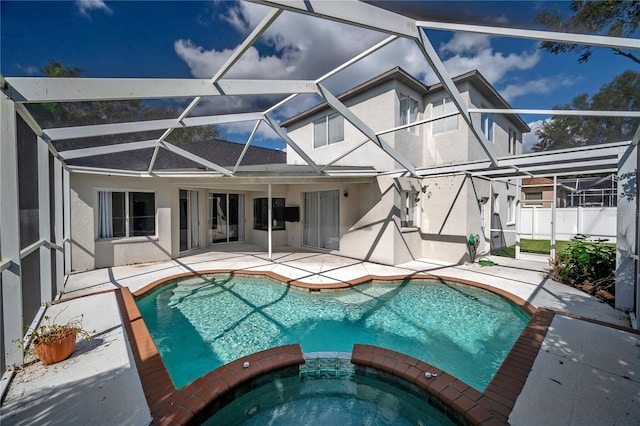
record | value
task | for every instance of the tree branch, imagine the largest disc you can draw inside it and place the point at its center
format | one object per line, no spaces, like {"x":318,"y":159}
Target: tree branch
{"x":626,"y":54}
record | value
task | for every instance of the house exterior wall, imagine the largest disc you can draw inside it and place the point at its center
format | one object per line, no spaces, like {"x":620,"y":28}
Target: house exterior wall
{"x":373,"y":109}
{"x":504,"y":227}
{"x":547,"y":194}
{"x":627,"y":277}
{"x":449,"y":147}
{"x":451,"y":208}
{"x":88,"y":252}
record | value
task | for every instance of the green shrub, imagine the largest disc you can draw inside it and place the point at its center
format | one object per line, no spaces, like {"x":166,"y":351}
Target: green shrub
{"x":587,"y":264}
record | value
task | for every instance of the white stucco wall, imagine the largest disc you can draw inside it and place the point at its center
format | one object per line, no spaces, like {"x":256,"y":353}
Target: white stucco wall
{"x":627,"y":223}
{"x":88,"y":252}
{"x":444,"y":225}
{"x":373,"y":109}
{"x":449,"y":147}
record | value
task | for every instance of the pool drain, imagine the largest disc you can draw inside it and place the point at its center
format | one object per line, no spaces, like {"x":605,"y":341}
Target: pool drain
{"x":252,"y":411}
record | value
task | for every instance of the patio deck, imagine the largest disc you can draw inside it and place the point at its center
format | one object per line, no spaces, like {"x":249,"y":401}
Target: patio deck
{"x":587,"y":358}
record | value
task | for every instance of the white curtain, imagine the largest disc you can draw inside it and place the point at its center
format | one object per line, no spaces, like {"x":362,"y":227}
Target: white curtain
{"x":310,"y":236}
{"x":330,"y":219}
{"x":336,"y":128}
{"x":195,"y":223}
{"x":241,"y":219}
{"x":105,"y":224}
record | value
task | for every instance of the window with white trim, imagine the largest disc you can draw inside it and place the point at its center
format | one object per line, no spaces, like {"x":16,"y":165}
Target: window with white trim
{"x":513,"y":140}
{"x":126,"y":214}
{"x":511,"y":209}
{"x":328,"y":130}
{"x":410,"y":209}
{"x":261,"y":214}
{"x":486,"y":122}
{"x":444,"y":125}
{"x":408,"y":112}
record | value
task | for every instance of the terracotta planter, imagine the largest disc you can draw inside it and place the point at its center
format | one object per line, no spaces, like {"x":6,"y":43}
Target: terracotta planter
{"x":50,"y":353}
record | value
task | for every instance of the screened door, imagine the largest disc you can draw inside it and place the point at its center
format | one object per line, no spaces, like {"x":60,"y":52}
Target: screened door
{"x":226,"y":217}
{"x":322,"y":219}
{"x":189,"y":220}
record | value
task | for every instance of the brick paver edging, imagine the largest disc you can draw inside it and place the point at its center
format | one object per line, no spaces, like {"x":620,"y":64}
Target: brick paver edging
{"x":462,"y":402}
{"x":188,"y":405}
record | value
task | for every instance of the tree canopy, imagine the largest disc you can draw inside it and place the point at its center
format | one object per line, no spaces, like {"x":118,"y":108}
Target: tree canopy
{"x":621,"y":94}
{"x":101,"y":112}
{"x":616,"y":18}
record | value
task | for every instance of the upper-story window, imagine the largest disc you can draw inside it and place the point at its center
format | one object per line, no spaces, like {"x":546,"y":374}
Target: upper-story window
{"x":513,"y":140}
{"x":486,"y":121}
{"x":444,"y":125}
{"x":408,"y":112}
{"x":328,"y":130}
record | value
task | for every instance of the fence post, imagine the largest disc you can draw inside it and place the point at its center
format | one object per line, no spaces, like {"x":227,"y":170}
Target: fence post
{"x":580,"y":221}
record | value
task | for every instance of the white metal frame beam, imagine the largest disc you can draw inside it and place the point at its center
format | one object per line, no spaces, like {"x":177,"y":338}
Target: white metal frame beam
{"x":351,"y":12}
{"x":186,"y":154}
{"x":11,"y":310}
{"x":46,"y":89}
{"x":586,"y":39}
{"x":290,"y":142}
{"x":77,"y":132}
{"x":44,"y":221}
{"x":106,"y":149}
{"x":563,"y":112}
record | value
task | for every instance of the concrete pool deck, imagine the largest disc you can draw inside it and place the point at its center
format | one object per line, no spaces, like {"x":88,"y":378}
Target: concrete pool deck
{"x":586,"y":372}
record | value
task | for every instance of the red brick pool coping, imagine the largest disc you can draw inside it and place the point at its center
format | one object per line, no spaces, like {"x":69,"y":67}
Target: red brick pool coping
{"x":171,"y":406}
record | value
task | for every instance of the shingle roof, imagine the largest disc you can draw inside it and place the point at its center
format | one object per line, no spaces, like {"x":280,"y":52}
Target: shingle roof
{"x":218,"y":151}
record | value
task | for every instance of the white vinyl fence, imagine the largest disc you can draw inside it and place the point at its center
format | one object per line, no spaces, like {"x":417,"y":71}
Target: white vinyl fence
{"x":595,"y":222}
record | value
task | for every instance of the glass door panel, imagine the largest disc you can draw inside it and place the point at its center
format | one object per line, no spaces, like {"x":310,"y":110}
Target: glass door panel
{"x":189,"y":220}
{"x":218,"y":223}
{"x":226,"y":217}
{"x":322,"y":219}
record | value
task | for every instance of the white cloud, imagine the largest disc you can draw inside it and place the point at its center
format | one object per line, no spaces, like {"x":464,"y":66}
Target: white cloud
{"x":294,"y":37}
{"x":539,"y":86}
{"x":245,"y":127}
{"x":29,"y":69}
{"x":466,"y":52}
{"x":205,"y":63}
{"x":530,"y":139}
{"x":84,"y":6}
{"x":466,"y":43}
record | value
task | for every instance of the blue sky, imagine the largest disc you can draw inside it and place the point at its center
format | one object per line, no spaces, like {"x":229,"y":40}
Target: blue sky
{"x":192,"y":38}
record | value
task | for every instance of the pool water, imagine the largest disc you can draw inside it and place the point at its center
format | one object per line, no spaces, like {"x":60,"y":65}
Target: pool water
{"x":201,"y":323}
{"x":345,"y":400}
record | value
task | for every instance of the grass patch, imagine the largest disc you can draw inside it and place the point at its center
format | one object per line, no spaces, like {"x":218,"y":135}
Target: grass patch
{"x":538,"y":247}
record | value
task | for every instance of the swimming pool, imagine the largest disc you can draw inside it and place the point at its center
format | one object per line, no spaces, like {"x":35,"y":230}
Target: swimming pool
{"x":200,"y":323}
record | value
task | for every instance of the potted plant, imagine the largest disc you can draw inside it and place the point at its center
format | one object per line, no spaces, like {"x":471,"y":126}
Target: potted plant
{"x":53,"y":342}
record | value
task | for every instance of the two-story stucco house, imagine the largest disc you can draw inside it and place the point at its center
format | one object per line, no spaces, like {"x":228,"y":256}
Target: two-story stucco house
{"x":411,"y":217}
{"x":364,"y":205}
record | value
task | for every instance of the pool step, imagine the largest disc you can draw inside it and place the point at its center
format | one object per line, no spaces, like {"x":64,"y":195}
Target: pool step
{"x":327,"y":365}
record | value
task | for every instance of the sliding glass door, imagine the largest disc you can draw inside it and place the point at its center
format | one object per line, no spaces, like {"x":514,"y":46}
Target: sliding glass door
{"x":189,"y":220}
{"x":322,"y":219}
{"x":226,"y":217}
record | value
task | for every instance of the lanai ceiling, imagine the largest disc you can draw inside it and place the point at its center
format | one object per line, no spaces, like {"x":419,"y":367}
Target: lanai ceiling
{"x":404,"y":21}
